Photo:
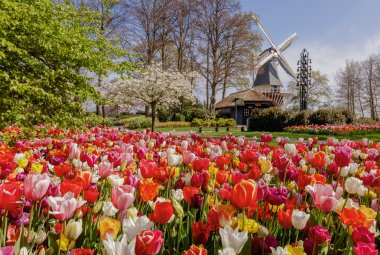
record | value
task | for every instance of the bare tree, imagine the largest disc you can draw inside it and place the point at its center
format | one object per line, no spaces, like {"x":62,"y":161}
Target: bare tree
{"x":218,"y":25}
{"x":371,"y":83}
{"x":319,"y":92}
{"x":348,"y":80}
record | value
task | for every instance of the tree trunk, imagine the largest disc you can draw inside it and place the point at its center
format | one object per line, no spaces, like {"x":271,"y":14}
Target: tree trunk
{"x":153,"y":107}
{"x":207,"y":76}
{"x":146,"y":111}
{"x":212,"y":99}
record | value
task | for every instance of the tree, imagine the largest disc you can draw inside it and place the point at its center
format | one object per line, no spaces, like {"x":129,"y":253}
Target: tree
{"x":224,"y":44}
{"x":319,"y":93}
{"x":154,"y":88}
{"x":371,"y":84}
{"x":349,"y":84}
{"x":43,"y":47}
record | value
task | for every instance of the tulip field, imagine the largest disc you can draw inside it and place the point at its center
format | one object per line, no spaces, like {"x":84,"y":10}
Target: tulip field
{"x":118,"y":192}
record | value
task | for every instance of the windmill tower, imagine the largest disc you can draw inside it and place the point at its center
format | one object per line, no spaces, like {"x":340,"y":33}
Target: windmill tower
{"x":267,"y":80}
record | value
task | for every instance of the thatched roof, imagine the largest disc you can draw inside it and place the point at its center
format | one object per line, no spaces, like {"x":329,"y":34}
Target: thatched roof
{"x":242,"y":96}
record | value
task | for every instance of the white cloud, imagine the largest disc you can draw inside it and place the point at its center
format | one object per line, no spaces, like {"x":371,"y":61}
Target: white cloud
{"x":330,"y":57}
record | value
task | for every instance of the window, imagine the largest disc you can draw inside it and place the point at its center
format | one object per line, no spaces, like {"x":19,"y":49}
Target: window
{"x":246,"y":112}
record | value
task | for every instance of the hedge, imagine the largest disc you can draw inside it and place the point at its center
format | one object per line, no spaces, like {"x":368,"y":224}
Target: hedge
{"x":276,"y":119}
{"x":216,"y":122}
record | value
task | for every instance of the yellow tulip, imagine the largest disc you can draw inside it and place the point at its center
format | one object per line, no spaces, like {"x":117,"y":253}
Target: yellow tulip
{"x":295,"y":250}
{"x":23,"y":162}
{"x":109,"y":226}
{"x":36,"y":168}
{"x":65,"y":243}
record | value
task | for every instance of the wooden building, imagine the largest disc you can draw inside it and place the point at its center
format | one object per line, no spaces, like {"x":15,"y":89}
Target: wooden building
{"x":239,"y":105}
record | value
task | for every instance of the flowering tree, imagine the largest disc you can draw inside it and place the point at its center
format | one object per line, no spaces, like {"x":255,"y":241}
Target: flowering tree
{"x":154,"y":88}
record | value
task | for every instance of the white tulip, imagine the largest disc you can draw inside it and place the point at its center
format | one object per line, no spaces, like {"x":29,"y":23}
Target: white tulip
{"x":132,"y":228}
{"x":177,"y":194}
{"x":279,"y":251}
{"x":227,"y":251}
{"x":73,"y":229}
{"x":115,"y":181}
{"x":352,"y":185}
{"x":362,"y":191}
{"x":108,"y":209}
{"x":290,"y":149}
{"x":184,"y":145}
{"x":344,"y":171}
{"x":299,"y":219}
{"x":121,"y":247}
{"x":353,"y":168}
{"x":174,"y":160}
{"x":233,"y":238}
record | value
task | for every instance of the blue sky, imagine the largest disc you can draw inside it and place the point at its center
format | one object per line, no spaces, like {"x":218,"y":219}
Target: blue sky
{"x":331,"y":30}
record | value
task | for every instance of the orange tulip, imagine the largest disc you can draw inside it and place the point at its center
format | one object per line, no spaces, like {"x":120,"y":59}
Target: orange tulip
{"x":244,"y":194}
{"x":319,"y":159}
{"x":222,"y":176}
{"x":148,"y":190}
{"x":285,"y":218}
{"x":352,"y":217}
{"x":196,"y":250}
{"x":109,"y":226}
{"x":225,"y":214}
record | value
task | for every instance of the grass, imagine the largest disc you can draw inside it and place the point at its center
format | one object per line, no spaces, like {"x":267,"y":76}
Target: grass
{"x":210,"y":132}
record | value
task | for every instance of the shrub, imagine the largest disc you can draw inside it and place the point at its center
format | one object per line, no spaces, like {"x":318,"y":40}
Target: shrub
{"x":300,"y":118}
{"x":366,"y":121}
{"x":327,"y":117}
{"x":217,"y":122}
{"x":178,"y":117}
{"x":272,"y":119}
{"x":173,"y":124}
{"x":137,"y":122}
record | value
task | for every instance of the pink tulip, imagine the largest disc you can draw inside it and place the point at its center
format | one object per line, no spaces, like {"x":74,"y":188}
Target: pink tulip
{"x":63,"y":208}
{"x":36,"y":185}
{"x":324,"y":196}
{"x":122,"y":197}
{"x":7,"y":250}
{"x":188,"y":157}
{"x":105,"y":169}
{"x":343,"y":155}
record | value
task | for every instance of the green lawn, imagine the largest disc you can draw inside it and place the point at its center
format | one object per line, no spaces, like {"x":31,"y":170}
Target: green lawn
{"x":210,"y":132}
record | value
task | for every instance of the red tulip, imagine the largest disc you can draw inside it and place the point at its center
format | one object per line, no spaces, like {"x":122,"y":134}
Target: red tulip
{"x":148,"y":168}
{"x":149,"y":242}
{"x":201,"y":232}
{"x":201,"y":164}
{"x":70,"y":186}
{"x":91,"y":195}
{"x":163,"y":212}
{"x":188,"y":192}
{"x":10,"y":194}
{"x":196,"y":250}
{"x":343,"y":155}
{"x":244,"y":194}
{"x":285,"y":218}
{"x":319,"y":234}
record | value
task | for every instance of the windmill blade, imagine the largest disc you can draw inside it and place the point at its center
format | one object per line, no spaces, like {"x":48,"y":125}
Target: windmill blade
{"x":265,"y":57}
{"x":285,"y":65}
{"x":264,"y":32}
{"x":285,"y":44}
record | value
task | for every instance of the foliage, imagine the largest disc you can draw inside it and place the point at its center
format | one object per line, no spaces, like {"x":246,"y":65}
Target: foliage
{"x":327,"y":116}
{"x":270,"y":119}
{"x":137,"y":122}
{"x":43,"y":48}
{"x":173,"y":124}
{"x":186,"y":108}
{"x":216,"y":122}
{"x":300,"y":118}
{"x":366,"y":121}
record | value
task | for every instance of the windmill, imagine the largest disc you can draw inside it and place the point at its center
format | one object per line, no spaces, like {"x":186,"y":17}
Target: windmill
{"x":267,"y":80}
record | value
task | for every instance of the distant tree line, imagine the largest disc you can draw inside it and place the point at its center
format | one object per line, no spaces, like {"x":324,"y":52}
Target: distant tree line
{"x":358,"y":87}
{"x":213,"y":38}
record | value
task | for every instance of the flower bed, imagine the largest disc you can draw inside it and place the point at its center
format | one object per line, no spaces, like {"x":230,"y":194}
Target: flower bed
{"x":107,"y":191}
{"x":335,"y":129}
